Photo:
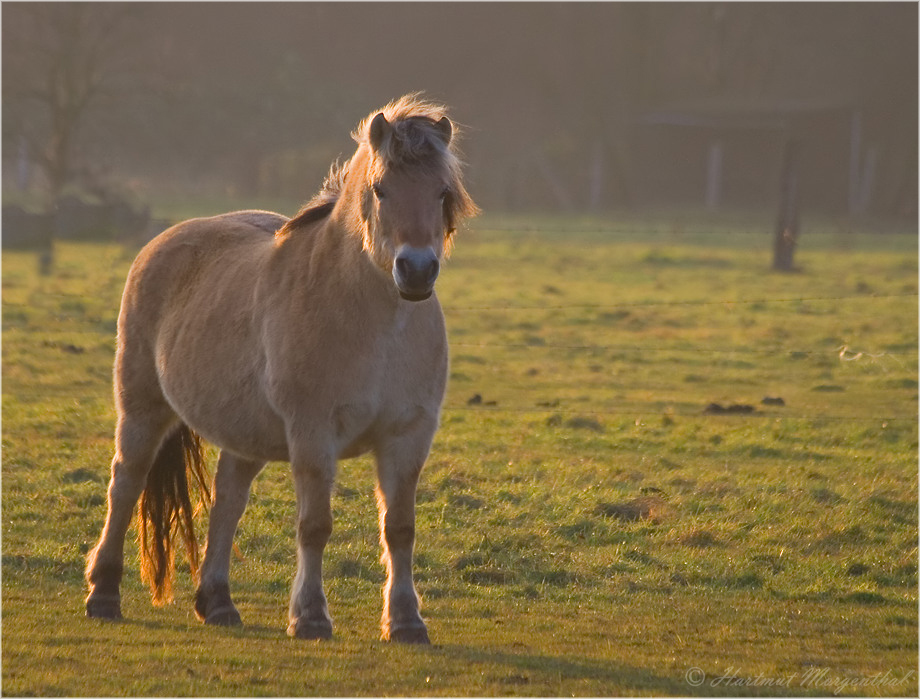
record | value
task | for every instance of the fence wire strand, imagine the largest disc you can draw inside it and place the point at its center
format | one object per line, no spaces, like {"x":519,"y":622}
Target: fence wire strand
{"x":694,"y":302}
{"x":68,"y":401}
{"x":845,"y":353}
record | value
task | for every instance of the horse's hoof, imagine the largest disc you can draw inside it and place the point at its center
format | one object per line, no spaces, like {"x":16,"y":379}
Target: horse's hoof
{"x":407,"y":634}
{"x":103,"y":607}
{"x":224,"y":616}
{"x":310,"y":630}
{"x":215,"y":607}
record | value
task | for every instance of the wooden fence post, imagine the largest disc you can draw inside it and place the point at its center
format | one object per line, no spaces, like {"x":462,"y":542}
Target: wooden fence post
{"x":787,"y":225}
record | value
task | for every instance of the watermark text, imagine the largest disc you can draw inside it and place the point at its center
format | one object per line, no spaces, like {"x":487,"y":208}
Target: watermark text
{"x":818,"y":678}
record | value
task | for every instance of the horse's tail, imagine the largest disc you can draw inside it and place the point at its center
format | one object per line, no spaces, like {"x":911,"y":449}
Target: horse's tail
{"x":166,"y":507}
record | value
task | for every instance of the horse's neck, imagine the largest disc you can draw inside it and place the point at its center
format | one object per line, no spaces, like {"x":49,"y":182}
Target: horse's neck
{"x":329,"y":256}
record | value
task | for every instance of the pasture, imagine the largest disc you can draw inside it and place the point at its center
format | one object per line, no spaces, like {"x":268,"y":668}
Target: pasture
{"x":587,"y":523}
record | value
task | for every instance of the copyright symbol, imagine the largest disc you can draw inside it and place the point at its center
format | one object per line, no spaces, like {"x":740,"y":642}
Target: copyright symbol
{"x":695,"y":677}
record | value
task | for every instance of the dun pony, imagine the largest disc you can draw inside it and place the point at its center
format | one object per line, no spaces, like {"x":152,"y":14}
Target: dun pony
{"x":306,"y":340}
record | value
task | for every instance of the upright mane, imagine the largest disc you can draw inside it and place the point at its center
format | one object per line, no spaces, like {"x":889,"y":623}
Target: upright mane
{"x":322,"y":203}
{"x":415,"y":136}
{"x":415,"y":141}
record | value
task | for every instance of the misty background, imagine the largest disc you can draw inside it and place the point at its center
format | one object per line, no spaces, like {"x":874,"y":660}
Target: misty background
{"x":566,"y":107}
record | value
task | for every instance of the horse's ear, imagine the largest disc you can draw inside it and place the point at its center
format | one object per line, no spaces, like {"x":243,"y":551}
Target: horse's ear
{"x":446,"y":129}
{"x":379,"y":130}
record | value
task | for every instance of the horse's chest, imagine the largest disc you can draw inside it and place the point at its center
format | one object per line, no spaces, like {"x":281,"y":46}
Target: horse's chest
{"x":360,"y":427}
{"x":356,"y":383}
{"x":391,"y":397}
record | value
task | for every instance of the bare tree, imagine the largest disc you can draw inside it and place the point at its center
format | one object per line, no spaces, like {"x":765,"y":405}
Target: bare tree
{"x":58,"y":62}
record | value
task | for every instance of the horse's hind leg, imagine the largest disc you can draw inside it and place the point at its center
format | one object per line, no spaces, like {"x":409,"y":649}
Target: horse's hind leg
{"x":231,"y":493}
{"x":137,"y":438}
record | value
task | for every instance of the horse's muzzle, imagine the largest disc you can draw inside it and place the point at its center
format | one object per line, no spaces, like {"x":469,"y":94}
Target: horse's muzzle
{"x":415,"y":271}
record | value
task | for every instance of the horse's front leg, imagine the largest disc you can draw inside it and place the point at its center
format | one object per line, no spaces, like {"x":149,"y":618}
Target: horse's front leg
{"x":399,"y":463}
{"x":213,"y":604}
{"x":313,"y":479}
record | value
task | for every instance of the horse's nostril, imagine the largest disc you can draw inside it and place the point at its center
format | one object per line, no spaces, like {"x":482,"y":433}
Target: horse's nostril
{"x":433,"y":270}
{"x":403,"y":267}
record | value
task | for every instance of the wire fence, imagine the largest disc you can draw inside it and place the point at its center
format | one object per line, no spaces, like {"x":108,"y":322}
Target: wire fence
{"x":693,"y":225}
{"x":667,"y":410}
{"x":844,"y":353}
{"x":903,"y":357}
{"x":726,"y":302}
{"x":670,"y":413}
{"x":690,"y":302}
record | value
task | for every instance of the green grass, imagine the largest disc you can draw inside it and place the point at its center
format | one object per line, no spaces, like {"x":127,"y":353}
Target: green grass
{"x":583,"y":529}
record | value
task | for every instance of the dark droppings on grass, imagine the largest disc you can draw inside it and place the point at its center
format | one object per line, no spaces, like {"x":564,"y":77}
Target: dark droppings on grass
{"x":584,"y":423}
{"x":745,"y":581}
{"x":864,"y":597}
{"x":902,"y":383}
{"x":826,"y":495}
{"x":646,"y":507}
{"x":470,"y":502}
{"x":488,"y":576}
{"x":774,"y":564}
{"x":82,"y":475}
{"x":476,"y":399}
{"x":345,"y":492}
{"x":575,"y":423}
{"x":733,"y":409}
{"x":65,"y":347}
{"x":837,"y":541}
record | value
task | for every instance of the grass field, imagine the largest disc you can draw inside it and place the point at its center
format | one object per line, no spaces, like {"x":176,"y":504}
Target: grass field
{"x":585,"y":526}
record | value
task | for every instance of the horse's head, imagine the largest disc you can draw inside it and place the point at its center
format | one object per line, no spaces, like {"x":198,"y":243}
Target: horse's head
{"x":412,"y":196}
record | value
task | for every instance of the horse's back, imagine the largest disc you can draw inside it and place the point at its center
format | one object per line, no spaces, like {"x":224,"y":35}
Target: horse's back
{"x":215,"y":247}
{"x":266,"y":221}
{"x":214,"y":233}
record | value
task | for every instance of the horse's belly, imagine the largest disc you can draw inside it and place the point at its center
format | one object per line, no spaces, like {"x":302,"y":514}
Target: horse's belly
{"x":228,"y":410}
{"x":247,"y":434}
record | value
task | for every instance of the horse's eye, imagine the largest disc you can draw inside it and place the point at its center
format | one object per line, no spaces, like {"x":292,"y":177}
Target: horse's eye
{"x":445,"y":193}
{"x":378,"y":192}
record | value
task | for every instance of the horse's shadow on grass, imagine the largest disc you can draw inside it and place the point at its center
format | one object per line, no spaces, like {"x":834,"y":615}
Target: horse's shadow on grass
{"x":528,"y":669}
{"x":247,"y":630}
{"x":531,"y":669}
{"x":529,"y":672}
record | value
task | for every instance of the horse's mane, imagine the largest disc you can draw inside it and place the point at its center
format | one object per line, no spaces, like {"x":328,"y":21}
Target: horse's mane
{"x":322,"y":203}
{"x":415,"y":138}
